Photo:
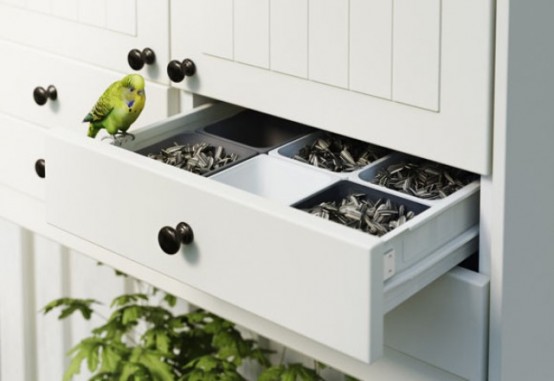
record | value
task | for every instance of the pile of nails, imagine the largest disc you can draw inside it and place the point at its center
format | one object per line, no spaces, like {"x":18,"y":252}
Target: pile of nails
{"x":357,"y":211}
{"x":199,"y":158}
{"x":339,"y":154}
{"x":426,"y":179}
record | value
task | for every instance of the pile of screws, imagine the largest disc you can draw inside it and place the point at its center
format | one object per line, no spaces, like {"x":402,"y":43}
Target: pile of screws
{"x":339,"y":154}
{"x":427,"y":180}
{"x":198,"y":158}
{"x":357,"y":211}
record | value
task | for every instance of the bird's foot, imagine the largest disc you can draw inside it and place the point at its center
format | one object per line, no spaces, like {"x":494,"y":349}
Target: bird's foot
{"x":124,"y":137}
{"x":120,"y":138}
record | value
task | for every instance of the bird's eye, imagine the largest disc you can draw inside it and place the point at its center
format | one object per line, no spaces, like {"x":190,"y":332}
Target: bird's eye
{"x":131,"y":89}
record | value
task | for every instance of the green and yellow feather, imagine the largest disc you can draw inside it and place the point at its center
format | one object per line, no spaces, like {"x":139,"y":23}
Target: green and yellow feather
{"x":118,"y":107}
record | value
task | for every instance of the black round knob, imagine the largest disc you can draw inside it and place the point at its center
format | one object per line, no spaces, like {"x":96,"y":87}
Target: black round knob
{"x":170,"y":239}
{"x":40,"y":168}
{"x":177,"y":71}
{"x":41,"y":95}
{"x":137,"y":59}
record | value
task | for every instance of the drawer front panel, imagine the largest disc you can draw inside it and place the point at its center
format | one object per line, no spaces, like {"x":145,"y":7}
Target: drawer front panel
{"x":446,"y":324}
{"x":78,"y":87}
{"x":98,"y":32}
{"x":432,"y":97}
{"x":279,"y":263}
{"x":24,"y":145}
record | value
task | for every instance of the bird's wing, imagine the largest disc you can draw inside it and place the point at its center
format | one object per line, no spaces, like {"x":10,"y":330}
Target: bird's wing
{"x":104,"y":105}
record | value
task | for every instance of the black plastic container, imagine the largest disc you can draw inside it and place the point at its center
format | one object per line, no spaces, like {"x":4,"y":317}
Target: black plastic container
{"x":193,"y":138}
{"x":259,"y":131}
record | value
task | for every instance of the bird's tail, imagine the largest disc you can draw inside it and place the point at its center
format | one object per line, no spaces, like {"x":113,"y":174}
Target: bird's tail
{"x":92,"y":131}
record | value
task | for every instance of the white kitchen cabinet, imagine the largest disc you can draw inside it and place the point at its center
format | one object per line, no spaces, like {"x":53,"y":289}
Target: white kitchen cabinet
{"x":415,"y":76}
{"x":98,"y":32}
{"x":387,"y":72}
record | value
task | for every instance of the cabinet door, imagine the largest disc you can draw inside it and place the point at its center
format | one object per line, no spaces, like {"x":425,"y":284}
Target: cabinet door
{"x":19,"y":158}
{"x":78,"y":86}
{"x":414,"y":76}
{"x":100,"y":32}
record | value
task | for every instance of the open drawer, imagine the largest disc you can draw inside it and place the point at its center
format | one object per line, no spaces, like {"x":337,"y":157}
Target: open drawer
{"x":328,"y":282}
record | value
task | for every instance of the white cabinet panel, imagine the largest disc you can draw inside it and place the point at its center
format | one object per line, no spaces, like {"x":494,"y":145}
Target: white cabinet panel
{"x":456,"y":33}
{"x":217,"y":27}
{"x":278,"y":236}
{"x":17,"y":309}
{"x":18,"y":158}
{"x":90,"y":31}
{"x":446,"y":324}
{"x":50,"y":281}
{"x":328,"y":42}
{"x":65,"y":8}
{"x":416,"y":51}
{"x":78,"y":88}
{"x":289,"y":37}
{"x":251,"y":20}
{"x":39,"y":5}
{"x":371,"y":46}
{"x":94,"y":12}
{"x":115,"y":21}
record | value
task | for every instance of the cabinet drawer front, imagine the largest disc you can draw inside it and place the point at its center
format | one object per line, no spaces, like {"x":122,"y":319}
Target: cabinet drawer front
{"x":78,"y":87}
{"x":446,"y":324}
{"x":24,"y":146}
{"x":98,"y":32}
{"x":275,"y":261}
{"x":418,"y":81}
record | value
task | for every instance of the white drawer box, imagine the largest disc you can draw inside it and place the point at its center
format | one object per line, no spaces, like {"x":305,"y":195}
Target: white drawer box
{"x":78,"y":87}
{"x":23,"y":147}
{"x":273,"y":260}
{"x":98,"y":32}
{"x":414,"y":76}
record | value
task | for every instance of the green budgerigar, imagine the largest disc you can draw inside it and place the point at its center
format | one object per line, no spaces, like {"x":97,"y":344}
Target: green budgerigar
{"x":118,"y":107}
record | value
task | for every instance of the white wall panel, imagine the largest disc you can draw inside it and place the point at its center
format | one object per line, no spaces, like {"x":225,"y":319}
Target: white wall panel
{"x":121,"y":16}
{"x":65,"y":8}
{"x":289,"y":37}
{"x":17,"y":312}
{"x":218,"y":28}
{"x":416,"y":52}
{"x":93,"y":12}
{"x":39,"y":5}
{"x":52,"y":339}
{"x":328,"y":42}
{"x":371,"y":46}
{"x":251,"y":20}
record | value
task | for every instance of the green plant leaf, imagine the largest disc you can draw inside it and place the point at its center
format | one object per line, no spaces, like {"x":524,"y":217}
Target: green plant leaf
{"x":130,"y":315}
{"x":125,"y":299}
{"x":162,"y":342}
{"x":92,"y":358}
{"x":153,"y":361}
{"x":86,"y":349}
{"x":272,"y":374}
{"x":69,"y":305}
{"x":170,"y":299}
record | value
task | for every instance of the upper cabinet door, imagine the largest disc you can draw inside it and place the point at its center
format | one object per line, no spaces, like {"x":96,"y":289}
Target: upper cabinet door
{"x":412,"y":75}
{"x":99,"y":32}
